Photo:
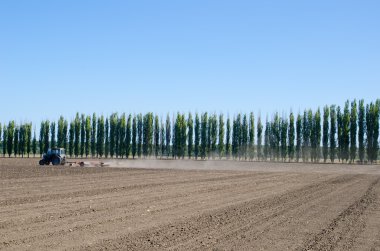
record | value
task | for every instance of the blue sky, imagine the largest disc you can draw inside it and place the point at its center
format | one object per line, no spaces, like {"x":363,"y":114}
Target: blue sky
{"x":60,"y":57}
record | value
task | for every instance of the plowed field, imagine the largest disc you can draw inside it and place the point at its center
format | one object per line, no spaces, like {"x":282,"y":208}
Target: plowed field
{"x":189,"y":205}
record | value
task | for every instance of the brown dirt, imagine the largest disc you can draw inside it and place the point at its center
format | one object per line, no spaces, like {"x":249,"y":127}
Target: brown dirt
{"x":192,"y":205}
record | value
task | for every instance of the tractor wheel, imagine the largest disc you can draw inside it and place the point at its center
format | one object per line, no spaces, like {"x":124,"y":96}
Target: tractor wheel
{"x":42,"y":162}
{"x":56,"y":161}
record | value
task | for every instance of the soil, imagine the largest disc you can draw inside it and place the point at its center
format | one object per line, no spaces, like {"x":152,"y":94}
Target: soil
{"x":189,"y":205}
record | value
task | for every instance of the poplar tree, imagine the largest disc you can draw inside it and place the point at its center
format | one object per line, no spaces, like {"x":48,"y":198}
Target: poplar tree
{"x":325,"y":139}
{"x":46,"y":136}
{"x":34,"y":144}
{"x":112,"y":133}
{"x":88,"y":136}
{"x":65,"y":131}
{"x":82,"y":135}
{"x":168,"y":131}
{"x":5,"y":140}
{"x":228,"y":138}
{"x":71,"y":138}
{"x":333,"y":125}
{"x":15,"y":139}
{"x":60,"y":132}
{"x":244,"y":137}
{"x":267,"y":140}
{"x":76,"y":135}
{"x":93,"y":135}
{"x":134,"y":136}
{"x":204,"y":135}
{"x":284,"y":132}
{"x":156,"y":136}
{"x":139,"y":134}
{"x":346,"y":132}
{"x":276,"y":138}
{"x":353,"y":130}
{"x":1,"y":142}
{"x":147,"y":134}
{"x":221,"y":136}
{"x":306,"y":130}
{"x":122,"y":135}
{"x":317,"y":136}
{"x":28,"y":138}
{"x":213,"y":133}
{"x":361,"y":125}
{"x":41,"y":141}
{"x":197,"y":130}
{"x":52,"y":135}
{"x":291,"y":137}
{"x":190,"y":130}
{"x":251,"y":144}
{"x":162,"y":139}
{"x":372,"y":124}
{"x":299,"y":137}
{"x":107,"y":138}
{"x":259,"y":138}
{"x":209,"y":137}
{"x":128,"y":136}
{"x":100,"y":137}
{"x":10,"y":134}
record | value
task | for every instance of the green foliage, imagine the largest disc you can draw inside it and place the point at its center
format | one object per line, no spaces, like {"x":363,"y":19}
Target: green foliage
{"x":190,"y":132}
{"x":107,"y":138}
{"x":71,"y":138}
{"x":52,"y":134}
{"x":147,"y":134}
{"x":251,"y":145}
{"x":112,"y":133}
{"x":244,"y":138}
{"x":299,"y":131}
{"x":316,"y":136}
{"x":203,"y":149}
{"x":333,"y":128}
{"x":362,"y":129}
{"x":100,"y":137}
{"x":82,"y":135}
{"x":259,"y":139}
{"x":283,"y":134}
{"x":291,"y":137}
{"x":88,"y":136}
{"x":353,"y":130}
{"x":267,"y":140}
{"x":325,"y":138}
{"x":128,"y":136}
{"x":213,"y":130}
{"x":5,"y":140}
{"x":60,"y":137}
{"x":134,"y":136}
{"x":221,"y":137}
{"x":16,"y":141}
{"x":156,"y":136}
{"x":139,"y":134}
{"x":76,"y":134}
{"x":122,"y":125}
{"x":228,"y":139}
{"x":197,"y":135}
{"x":346,"y":132}
{"x":46,"y":136}
{"x":168,"y":137}
{"x":10,"y":134}
{"x":93,"y":135}
{"x":34,"y":144}
{"x":41,"y":139}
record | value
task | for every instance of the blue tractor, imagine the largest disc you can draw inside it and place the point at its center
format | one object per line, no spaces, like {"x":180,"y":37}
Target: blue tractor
{"x":56,"y":156}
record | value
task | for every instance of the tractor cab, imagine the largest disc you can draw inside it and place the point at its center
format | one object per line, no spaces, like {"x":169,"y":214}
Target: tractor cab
{"x":56,"y":156}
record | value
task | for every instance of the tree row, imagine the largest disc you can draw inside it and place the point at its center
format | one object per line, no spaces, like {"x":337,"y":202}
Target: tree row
{"x":347,"y":134}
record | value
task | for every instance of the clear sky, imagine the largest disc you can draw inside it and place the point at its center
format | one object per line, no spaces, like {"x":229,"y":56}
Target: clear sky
{"x":60,"y":57}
